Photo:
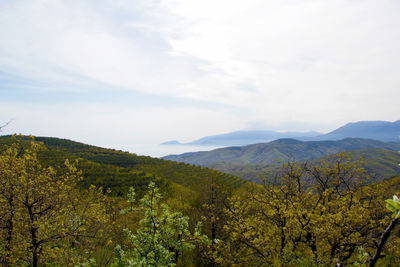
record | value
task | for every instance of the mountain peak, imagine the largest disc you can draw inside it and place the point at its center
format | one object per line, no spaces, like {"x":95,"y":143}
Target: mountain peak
{"x":378,"y":130}
{"x":173,"y":142}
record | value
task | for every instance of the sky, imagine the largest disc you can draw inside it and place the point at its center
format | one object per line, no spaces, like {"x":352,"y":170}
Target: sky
{"x":124,"y":73}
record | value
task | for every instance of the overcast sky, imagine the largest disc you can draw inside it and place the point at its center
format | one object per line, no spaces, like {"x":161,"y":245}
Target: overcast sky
{"x":123,"y":72}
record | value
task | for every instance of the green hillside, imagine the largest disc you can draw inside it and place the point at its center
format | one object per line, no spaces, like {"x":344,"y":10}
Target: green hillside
{"x":380,"y":164}
{"x":279,"y":150}
{"x":51,"y":210}
{"x":118,"y":170}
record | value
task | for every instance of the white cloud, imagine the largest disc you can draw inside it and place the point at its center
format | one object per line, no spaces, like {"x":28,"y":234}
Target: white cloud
{"x":302,"y":56}
{"x":69,"y":41}
{"x":107,"y":123}
{"x":282,"y":62}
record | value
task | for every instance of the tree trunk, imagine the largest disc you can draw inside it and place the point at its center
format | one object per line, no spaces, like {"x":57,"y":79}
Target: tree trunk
{"x":34,"y":241}
{"x":382,"y":242}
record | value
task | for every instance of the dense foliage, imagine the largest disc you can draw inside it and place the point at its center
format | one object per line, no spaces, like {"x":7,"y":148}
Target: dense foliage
{"x":379,"y":163}
{"x":44,"y":218}
{"x":162,"y":236}
{"x":117,"y":170}
{"x":309,"y":214}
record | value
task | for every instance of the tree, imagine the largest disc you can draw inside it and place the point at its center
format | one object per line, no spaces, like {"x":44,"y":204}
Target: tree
{"x":309,"y":215}
{"x":43,"y":216}
{"x":162,"y":234}
{"x":213,"y":194}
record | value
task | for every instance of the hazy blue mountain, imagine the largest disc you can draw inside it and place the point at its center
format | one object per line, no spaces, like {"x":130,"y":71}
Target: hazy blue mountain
{"x":279,"y":150}
{"x":378,"y":130}
{"x":171,"y":143}
{"x":241,"y":138}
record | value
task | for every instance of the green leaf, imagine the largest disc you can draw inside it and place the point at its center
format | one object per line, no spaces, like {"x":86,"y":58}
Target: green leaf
{"x":390,"y":205}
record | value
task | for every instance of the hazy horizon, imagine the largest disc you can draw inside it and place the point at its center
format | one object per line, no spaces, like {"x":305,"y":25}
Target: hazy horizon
{"x":143,"y":72}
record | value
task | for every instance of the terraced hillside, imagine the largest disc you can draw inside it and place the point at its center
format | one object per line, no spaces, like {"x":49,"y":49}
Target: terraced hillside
{"x":118,"y":170}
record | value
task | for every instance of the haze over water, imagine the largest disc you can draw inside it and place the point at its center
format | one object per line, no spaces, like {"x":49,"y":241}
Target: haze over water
{"x":159,"y":150}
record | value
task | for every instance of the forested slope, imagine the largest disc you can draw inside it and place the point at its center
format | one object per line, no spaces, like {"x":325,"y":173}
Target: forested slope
{"x":316,"y":214}
{"x":379,"y":163}
{"x":119,"y":170}
{"x":280,"y":150}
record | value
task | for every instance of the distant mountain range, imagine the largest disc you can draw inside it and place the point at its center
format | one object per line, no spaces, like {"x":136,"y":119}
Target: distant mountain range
{"x":279,"y":150}
{"x":240,"y":138}
{"x":378,"y":130}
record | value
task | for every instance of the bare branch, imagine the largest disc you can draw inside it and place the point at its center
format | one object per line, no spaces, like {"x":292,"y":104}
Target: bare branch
{"x":7,"y":123}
